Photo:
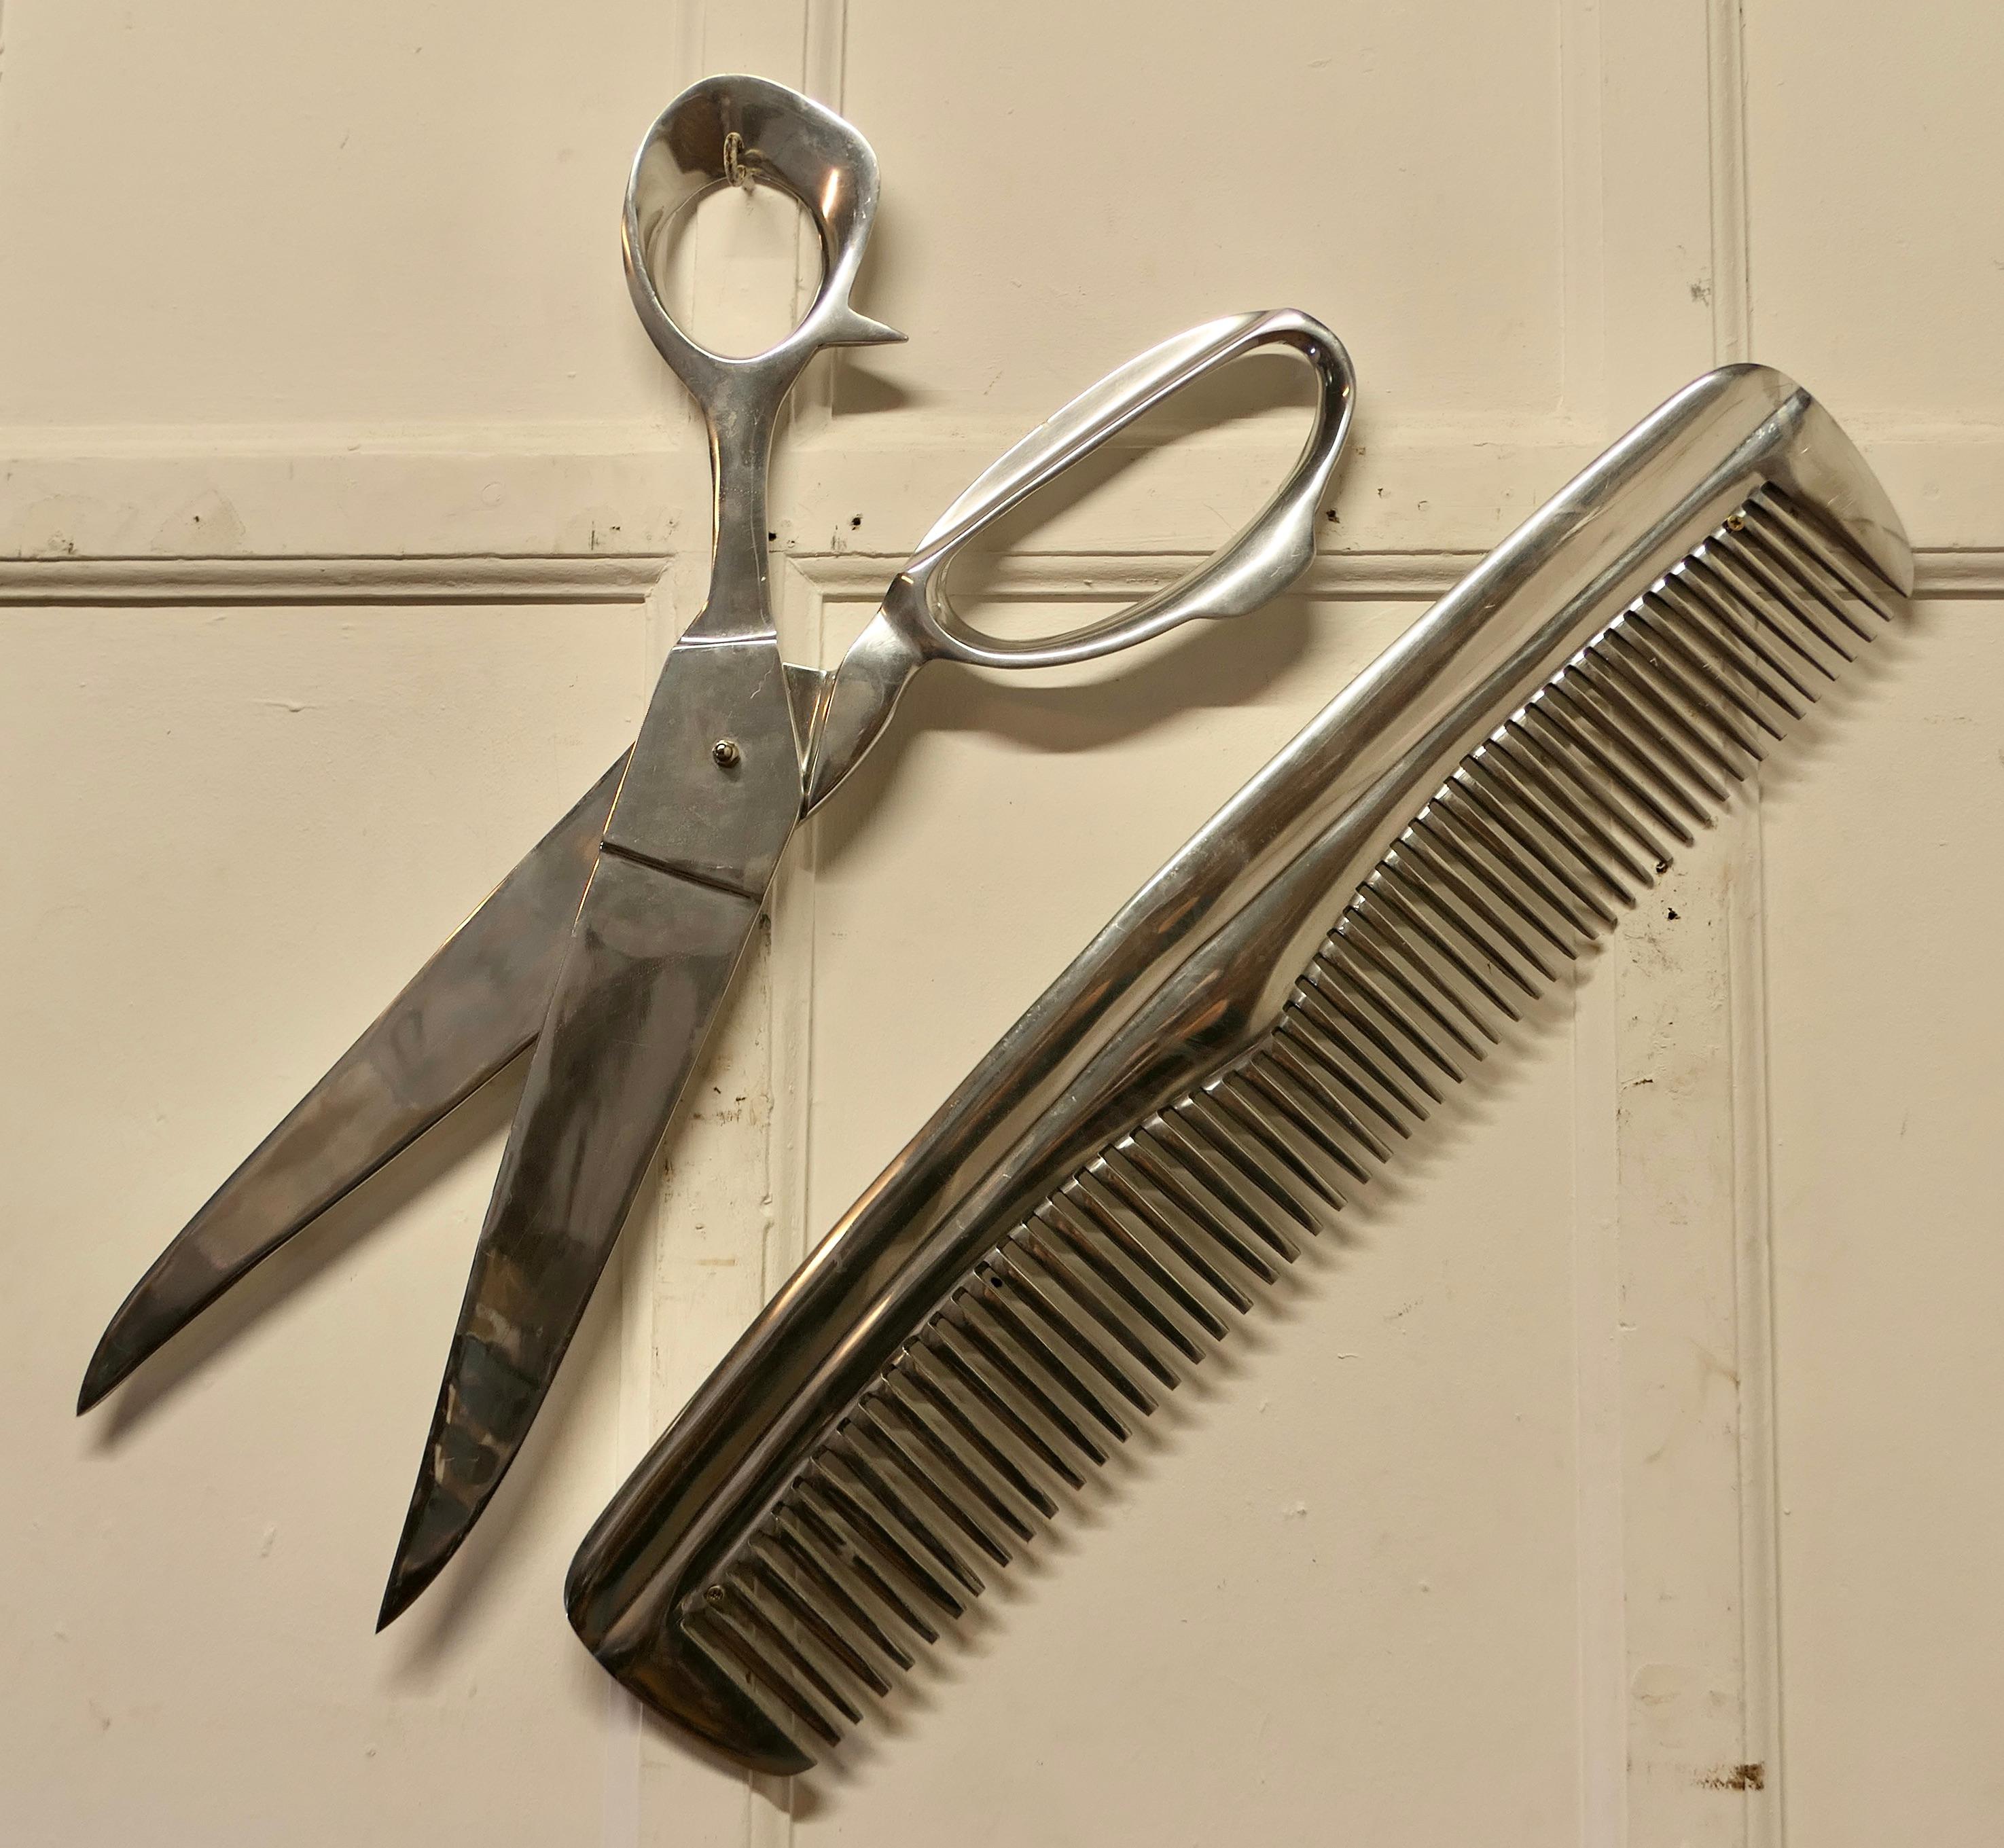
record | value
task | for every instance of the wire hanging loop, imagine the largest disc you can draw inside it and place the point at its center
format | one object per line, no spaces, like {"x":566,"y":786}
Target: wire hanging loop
{"x":735,"y":172}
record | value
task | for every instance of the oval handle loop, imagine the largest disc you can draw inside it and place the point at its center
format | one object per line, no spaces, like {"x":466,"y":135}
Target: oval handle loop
{"x":917,"y":623}
{"x":717,"y":133}
{"x":1266,"y":555}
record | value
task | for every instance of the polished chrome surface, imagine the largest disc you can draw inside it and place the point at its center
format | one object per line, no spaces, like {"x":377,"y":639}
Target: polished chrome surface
{"x":650,"y":961}
{"x":1245,"y":1043}
{"x":917,"y":622}
{"x":464,"y":1015}
{"x":611,"y":947}
{"x":696,"y":831}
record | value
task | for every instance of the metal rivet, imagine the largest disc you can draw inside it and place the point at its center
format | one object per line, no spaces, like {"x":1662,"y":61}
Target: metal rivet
{"x":725,"y":754}
{"x":714,"y":1596}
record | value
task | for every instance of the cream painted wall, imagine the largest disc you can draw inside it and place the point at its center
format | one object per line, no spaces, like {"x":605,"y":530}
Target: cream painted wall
{"x":1638,"y":1436}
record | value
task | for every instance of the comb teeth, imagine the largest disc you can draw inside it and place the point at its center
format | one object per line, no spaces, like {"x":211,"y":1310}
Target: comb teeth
{"x":1027,"y":1377}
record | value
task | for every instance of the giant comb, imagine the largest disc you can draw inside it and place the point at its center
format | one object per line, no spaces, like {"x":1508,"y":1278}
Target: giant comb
{"x":1254,"y":1034}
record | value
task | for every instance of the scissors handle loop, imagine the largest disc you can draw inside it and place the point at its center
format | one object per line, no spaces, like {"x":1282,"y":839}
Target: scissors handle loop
{"x":1266,"y":555}
{"x":724,"y":131}
{"x":917,"y":622}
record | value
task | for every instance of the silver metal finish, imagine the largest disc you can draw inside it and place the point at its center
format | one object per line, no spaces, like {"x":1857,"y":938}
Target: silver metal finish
{"x":611,"y":947}
{"x":917,"y":622}
{"x":1245,"y":1045}
{"x":477,"y":1003}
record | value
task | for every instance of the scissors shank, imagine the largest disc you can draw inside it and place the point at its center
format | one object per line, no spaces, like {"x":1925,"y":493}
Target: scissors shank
{"x":470,"y":1010}
{"x":713,"y":788}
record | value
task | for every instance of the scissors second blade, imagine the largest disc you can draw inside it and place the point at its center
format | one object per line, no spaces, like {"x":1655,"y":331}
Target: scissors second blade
{"x":468,"y":1011}
{"x":652,"y":957}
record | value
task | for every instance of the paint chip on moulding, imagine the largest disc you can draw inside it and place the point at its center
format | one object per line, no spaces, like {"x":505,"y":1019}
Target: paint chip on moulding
{"x":1735,"y":1777}
{"x":208,"y":527}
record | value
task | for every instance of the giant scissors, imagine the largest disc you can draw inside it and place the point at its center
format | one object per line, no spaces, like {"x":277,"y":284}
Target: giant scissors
{"x":610,"y":946}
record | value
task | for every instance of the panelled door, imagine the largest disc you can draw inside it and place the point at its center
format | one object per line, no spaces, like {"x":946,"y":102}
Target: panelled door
{"x":1628,"y":1472}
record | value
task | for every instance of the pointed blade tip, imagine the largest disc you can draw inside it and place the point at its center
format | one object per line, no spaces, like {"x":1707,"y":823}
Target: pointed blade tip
{"x":433,"y":1529}
{"x":110,"y":1365}
{"x":157,"y":1310}
{"x":408,"y":1580}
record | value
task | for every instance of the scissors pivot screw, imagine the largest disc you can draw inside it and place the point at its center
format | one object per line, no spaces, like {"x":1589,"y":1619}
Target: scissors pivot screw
{"x":725,"y":754}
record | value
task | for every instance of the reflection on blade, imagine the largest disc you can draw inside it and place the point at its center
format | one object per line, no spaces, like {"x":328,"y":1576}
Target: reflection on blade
{"x":652,"y":956}
{"x":468,"y":1011}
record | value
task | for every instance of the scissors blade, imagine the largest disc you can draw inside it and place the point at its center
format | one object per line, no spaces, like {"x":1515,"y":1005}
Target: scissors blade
{"x":468,"y":1011}
{"x":651,"y":960}
{"x":689,"y":853}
